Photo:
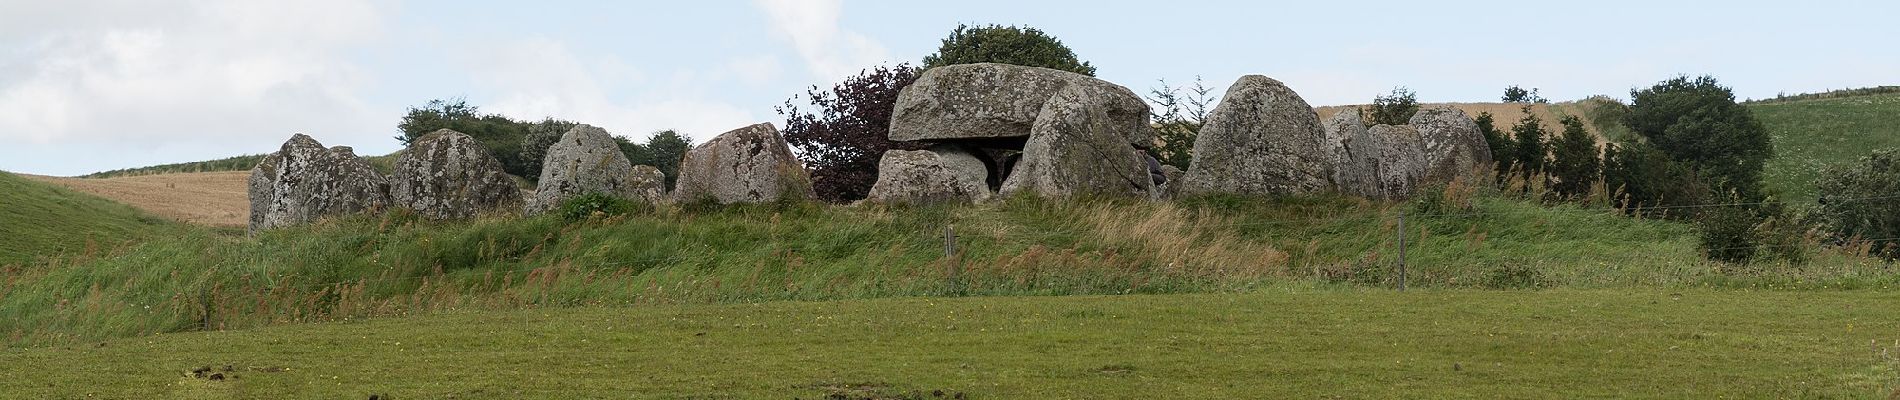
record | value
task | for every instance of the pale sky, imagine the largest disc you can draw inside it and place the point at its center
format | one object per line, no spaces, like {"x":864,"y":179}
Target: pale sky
{"x":91,"y":85}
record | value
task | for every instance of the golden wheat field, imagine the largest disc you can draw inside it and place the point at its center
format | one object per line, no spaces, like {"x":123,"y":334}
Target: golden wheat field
{"x":204,"y":198}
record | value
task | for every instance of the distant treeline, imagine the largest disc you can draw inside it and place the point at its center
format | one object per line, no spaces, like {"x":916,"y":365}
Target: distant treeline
{"x":1868,"y":91}
{"x":239,"y":163}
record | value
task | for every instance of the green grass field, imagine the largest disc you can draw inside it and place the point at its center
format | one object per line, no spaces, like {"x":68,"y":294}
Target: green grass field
{"x":1811,"y":135}
{"x":40,"y":220}
{"x":1276,"y":342}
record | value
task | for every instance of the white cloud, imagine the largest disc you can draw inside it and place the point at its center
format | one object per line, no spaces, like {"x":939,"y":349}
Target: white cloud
{"x":830,"y":51}
{"x":151,"y":73}
{"x":538,"y":77}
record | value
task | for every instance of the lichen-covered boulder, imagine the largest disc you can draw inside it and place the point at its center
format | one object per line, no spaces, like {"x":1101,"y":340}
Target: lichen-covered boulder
{"x":1262,"y":139}
{"x":941,"y":174}
{"x":987,"y":100}
{"x":1453,"y":146}
{"x":1383,"y":162}
{"x":1074,"y":150}
{"x":586,"y":160}
{"x":648,"y":183}
{"x":303,"y":182}
{"x":447,"y":174}
{"x":746,"y":165}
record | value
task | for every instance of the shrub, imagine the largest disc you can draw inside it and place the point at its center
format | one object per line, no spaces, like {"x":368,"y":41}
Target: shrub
{"x":1394,"y":108}
{"x":848,"y":131}
{"x":1642,"y":179}
{"x":1515,"y":94}
{"x":534,"y":147}
{"x":665,"y":149}
{"x":1183,"y":111}
{"x":595,"y":206}
{"x":1697,"y":122}
{"x":1728,"y":234}
{"x":1006,"y":45}
{"x":502,"y":136}
{"x":1862,"y":200}
{"x":1527,"y":138}
{"x":1574,"y":160}
{"x":1501,"y":146}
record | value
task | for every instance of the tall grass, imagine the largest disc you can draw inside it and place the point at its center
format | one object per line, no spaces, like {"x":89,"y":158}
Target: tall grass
{"x":398,"y":264}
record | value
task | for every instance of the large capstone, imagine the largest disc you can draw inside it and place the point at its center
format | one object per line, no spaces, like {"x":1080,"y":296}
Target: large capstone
{"x":746,"y":165}
{"x":941,"y":174}
{"x":1262,"y":139}
{"x":1036,"y":130}
{"x":303,"y":182}
{"x":586,"y":160}
{"x":1453,"y":146}
{"x":1076,"y":150}
{"x":987,"y":100}
{"x":446,"y":174}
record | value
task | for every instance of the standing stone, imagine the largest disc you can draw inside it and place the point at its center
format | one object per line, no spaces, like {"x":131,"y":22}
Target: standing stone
{"x":446,"y":174}
{"x":938,"y":175}
{"x":303,"y":182}
{"x":586,"y":160}
{"x":746,"y":165}
{"x":1262,"y":139}
{"x":1384,"y":162}
{"x":649,"y":184}
{"x":1076,"y":149}
{"x":1453,"y":146}
{"x":988,"y":100}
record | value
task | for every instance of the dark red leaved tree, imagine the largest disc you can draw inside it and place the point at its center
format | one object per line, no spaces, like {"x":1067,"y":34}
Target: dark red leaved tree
{"x":848,"y":130}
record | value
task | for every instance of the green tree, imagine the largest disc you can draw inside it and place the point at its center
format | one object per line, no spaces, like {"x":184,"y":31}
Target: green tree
{"x":1574,"y":161}
{"x":1183,"y":112}
{"x":1644,"y":180}
{"x":1501,"y":146}
{"x":1528,"y":144}
{"x":1007,"y":45}
{"x":1395,"y":108}
{"x":848,"y":130}
{"x":636,"y":153}
{"x":1697,"y":122}
{"x":665,"y":149}
{"x":502,"y":136}
{"x":534,"y":147}
{"x":1862,"y":201}
{"x":1515,"y":94}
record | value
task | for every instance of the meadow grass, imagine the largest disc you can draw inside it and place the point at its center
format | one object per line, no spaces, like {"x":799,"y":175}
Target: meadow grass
{"x":397,"y":264}
{"x":40,"y":220}
{"x":1810,"y":135}
{"x":1282,"y":341}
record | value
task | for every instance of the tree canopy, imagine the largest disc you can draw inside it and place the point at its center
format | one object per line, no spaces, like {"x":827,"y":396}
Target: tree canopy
{"x":1007,"y":45}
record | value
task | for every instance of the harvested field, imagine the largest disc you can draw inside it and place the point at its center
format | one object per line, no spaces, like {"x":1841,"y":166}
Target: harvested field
{"x":205,"y":198}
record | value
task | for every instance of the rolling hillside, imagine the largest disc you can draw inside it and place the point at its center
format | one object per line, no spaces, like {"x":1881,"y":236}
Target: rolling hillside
{"x":1813,"y":134}
{"x":39,"y":220}
{"x":215,"y":199}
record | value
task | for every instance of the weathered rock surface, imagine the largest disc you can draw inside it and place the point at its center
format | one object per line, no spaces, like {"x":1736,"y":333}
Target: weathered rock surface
{"x":1076,"y":149}
{"x":746,"y":165}
{"x":586,"y":160}
{"x":1384,"y":162}
{"x":446,"y":174}
{"x":1262,"y":139}
{"x":648,"y":183}
{"x":941,"y":174}
{"x":1452,"y":144}
{"x":303,"y":182}
{"x":970,"y":101}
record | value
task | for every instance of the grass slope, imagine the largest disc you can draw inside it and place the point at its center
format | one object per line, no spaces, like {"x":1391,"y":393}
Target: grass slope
{"x":40,"y":220}
{"x":1811,"y":135}
{"x":1273,"y":343}
{"x":398,"y":265}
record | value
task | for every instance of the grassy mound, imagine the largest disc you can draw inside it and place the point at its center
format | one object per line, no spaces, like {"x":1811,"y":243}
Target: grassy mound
{"x":1287,"y":342}
{"x":41,"y":220}
{"x":397,"y":264}
{"x":1813,"y":134}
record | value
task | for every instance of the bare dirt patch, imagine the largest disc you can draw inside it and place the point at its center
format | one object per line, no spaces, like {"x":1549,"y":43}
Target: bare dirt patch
{"x":204,"y":198}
